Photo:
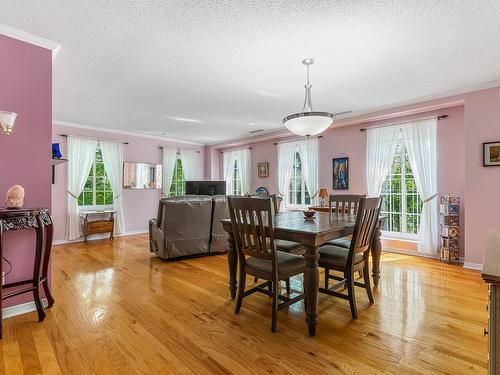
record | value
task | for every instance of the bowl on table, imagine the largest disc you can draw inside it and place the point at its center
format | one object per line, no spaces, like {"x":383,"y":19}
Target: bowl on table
{"x":309,"y":214}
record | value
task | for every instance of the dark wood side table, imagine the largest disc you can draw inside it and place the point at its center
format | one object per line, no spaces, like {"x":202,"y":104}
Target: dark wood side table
{"x":38,"y":219}
{"x":98,"y":226}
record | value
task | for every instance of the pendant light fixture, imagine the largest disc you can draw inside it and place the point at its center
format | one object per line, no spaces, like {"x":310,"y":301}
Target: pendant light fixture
{"x":308,"y":122}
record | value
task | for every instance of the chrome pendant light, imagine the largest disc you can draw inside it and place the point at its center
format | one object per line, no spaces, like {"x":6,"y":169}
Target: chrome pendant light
{"x":308,"y":122}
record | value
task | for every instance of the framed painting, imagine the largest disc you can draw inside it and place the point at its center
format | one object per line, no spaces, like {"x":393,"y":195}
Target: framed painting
{"x":341,"y":173}
{"x":263,"y":169}
{"x":491,"y":154}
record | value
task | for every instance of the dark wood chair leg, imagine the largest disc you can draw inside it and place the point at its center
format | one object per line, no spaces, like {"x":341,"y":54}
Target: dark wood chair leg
{"x":327,"y":275}
{"x":274,"y":321}
{"x":288,"y":290}
{"x":241,"y":291}
{"x":255,"y":280}
{"x":351,"y":294}
{"x":368,"y":286}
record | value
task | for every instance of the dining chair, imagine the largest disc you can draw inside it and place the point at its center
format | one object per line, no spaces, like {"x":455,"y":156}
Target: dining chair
{"x":281,"y":245}
{"x":355,"y":258}
{"x":257,"y":253}
{"x":343,"y":203}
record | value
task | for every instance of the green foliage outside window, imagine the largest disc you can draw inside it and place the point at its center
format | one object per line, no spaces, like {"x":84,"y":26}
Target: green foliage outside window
{"x":177,"y":186}
{"x":97,"y":190}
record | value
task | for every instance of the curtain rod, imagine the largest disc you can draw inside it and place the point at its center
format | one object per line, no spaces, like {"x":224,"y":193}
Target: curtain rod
{"x":95,"y":139}
{"x":237,"y":149}
{"x":180,"y":149}
{"x":440,"y":117}
{"x":295,"y":140}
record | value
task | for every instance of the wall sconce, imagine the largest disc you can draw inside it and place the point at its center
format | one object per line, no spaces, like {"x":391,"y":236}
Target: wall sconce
{"x":7,"y":120}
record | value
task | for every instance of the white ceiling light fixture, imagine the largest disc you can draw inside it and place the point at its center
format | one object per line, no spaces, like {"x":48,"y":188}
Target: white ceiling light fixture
{"x":308,"y":122}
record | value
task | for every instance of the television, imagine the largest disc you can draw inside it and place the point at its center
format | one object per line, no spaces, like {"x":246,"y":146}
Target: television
{"x":205,"y":187}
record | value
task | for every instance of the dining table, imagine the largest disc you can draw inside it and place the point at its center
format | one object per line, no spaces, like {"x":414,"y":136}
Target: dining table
{"x":293,"y":226}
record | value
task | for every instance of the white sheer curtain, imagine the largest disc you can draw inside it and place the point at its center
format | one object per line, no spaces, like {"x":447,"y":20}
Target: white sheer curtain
{"x":169,"y":159}
{"x":308,"y":152}
{"x":286,"y":157}
{"x":112,"y":157}
{"x":420,"y":139}
{"x":190,"y":160}
{"x":228,"y":171}
{"x":381,"y":146}
{"x":242,"y":158}
{"x":81,"y":155}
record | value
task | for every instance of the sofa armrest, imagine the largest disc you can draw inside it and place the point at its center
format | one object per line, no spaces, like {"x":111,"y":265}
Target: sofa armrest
{"x":156,"y":239}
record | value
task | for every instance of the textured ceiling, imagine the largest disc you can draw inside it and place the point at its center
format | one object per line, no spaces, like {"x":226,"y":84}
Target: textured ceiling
{"x":203,"y":70}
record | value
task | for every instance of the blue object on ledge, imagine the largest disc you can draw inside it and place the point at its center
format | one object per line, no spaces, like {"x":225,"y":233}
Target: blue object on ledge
{"x":56,"y":151}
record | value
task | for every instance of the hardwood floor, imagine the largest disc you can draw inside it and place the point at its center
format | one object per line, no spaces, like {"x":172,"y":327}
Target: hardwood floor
{"x":120,"y":310}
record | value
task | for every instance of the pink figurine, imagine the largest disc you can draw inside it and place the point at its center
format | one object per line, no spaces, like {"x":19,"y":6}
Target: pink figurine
{"x":15,"y":197}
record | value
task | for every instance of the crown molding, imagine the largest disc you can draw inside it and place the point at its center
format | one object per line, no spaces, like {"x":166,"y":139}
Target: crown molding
{"x":33,"y":39}
{"x":125,"y":132}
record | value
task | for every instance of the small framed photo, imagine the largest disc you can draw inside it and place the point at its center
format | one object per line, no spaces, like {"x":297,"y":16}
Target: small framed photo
{"x":491,"y":154}
{"x":341,"y":173}
{"x":263,"y":169}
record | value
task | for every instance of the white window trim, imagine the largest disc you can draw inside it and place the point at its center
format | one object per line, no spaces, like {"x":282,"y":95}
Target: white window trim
{"x":95,"y":207}
{"x":236,"y":179}
{"x":390,"y":235}
{"x":297,"y":206}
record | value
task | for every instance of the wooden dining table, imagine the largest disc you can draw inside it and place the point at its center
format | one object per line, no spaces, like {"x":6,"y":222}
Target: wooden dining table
{"x":312,"y":234}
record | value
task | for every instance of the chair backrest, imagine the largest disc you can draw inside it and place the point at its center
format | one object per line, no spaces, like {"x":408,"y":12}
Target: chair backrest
{"x":366,"y":222}
{"x":344,"y":203}
{"x":274,"y":198}
{"x":249,"y":219}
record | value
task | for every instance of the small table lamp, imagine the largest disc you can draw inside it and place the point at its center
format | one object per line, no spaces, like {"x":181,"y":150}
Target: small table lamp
{"x":323,"y":194}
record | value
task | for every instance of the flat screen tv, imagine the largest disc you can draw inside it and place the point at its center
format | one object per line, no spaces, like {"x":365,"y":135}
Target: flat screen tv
{"x":205,"y":187}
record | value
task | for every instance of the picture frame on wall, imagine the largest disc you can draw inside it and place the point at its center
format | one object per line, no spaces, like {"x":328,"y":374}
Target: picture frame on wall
{"x":341,"y":173}
{"x":263,"y":169}
{"x":491,"y":154}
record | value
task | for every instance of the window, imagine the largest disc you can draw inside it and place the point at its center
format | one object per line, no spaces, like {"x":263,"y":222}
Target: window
{"x":401,"y":200}
{"x":97,"y":190}
{"x":177,"y":187}
{"x":298,"y":191}
{"x":236,"y":180}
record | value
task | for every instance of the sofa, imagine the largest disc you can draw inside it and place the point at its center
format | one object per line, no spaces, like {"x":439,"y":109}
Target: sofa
{"x":189,"y":225}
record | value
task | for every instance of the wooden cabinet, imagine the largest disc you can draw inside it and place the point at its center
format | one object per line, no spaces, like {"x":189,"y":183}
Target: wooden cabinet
{"x":491,"y":275}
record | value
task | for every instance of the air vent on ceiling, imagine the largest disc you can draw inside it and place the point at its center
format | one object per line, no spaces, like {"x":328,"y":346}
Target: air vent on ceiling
{"x":256,"y":131}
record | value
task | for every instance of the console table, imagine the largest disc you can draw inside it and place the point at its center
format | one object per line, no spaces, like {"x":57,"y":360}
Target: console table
{"x":99,"y":225}
{"x":38,"y":219}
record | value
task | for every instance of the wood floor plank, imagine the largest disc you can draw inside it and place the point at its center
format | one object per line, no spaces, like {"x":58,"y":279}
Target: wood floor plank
{"x":121,"y":310}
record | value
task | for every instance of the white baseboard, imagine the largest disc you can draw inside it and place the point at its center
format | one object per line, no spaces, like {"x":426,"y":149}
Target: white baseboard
{"x":96,"y":237}
{"x":412,"y":253}
{"x":23,"y":308}
{"x":473,"y":266}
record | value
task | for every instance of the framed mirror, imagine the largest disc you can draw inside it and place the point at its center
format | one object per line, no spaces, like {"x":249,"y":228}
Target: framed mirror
{"x":141,"y":175}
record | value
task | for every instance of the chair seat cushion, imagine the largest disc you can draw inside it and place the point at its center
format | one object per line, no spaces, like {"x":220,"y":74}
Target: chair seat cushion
{"x":290,"y":247}
{"x":288,"y":264}
{"x":336,"y":256}
{"x":340,"y":242}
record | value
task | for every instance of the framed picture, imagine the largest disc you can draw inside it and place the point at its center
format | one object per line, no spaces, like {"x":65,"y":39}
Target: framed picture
{"x":263,"y":169}
{"x":341,"y":173}
{"x":491,"y":154}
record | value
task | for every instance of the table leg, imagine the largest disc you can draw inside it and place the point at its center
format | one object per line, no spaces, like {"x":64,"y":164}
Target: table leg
{"x":49,"y":231}
{"x":36,"y":270}
{"x":232,"y":263}
{"x":311,"y":285}
{"x":376,"y":251}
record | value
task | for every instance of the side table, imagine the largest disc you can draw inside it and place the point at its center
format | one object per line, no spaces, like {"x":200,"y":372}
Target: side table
{"x":38,"y":219}
{"x":99,"y":225}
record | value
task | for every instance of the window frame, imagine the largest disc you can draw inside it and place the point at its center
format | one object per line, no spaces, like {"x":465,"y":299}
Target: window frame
{"x":237,"y":189}
{"x":94,"y":205}
{"x":402,"y":152}
{"x":175,"y":177}
{"x":304,"y":193}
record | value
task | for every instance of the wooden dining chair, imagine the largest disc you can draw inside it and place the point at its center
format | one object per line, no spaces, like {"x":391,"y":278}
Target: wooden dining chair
{"x":281,"y":245}
{"x":343,"y":204}
{"x":257,"y":254}
{"x":352,"y":260}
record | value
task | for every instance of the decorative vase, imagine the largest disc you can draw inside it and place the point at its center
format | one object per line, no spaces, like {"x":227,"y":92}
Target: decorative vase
{"x":15,"y":197}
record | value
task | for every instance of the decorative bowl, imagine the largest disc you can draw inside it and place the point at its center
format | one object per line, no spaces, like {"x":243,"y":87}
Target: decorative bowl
{"x":309,"y":214}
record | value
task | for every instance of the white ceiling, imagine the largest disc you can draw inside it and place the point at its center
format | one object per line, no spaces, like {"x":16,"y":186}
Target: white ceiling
{"x":203,"y":70}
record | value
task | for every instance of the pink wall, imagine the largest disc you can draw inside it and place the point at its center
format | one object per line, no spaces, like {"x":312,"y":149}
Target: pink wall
{"x":139,"y":205}
{"x":25,"y":88}
{"x":482,"y":184}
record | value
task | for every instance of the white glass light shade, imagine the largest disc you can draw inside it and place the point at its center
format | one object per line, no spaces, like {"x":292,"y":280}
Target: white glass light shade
{"x":308,"y":123}
{"x":7,"y":121}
